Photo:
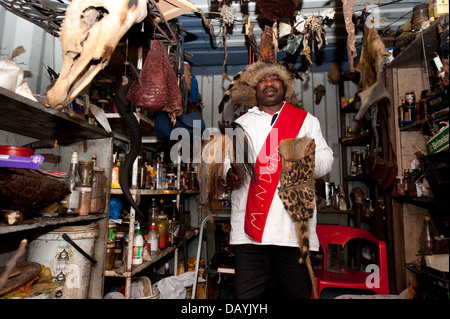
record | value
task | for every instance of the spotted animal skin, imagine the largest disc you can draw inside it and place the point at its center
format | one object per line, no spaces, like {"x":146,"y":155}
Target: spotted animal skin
{"x":297,"y":191}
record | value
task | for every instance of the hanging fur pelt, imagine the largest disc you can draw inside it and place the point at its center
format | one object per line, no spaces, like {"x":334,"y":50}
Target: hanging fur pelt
{"x":371,"y":66}
{"x":297,"y":192}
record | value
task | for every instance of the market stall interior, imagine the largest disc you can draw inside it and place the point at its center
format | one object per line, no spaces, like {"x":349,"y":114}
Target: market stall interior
{"x":106,"y":104}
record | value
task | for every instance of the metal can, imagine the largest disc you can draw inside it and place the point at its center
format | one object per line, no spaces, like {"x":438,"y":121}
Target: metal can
{"x":410,"y":98}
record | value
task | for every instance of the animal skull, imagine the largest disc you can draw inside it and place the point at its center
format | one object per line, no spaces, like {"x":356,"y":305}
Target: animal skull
{"x":89,"y":34}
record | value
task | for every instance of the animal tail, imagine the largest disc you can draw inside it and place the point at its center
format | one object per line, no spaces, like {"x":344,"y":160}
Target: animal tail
{"x":135,"y":140}
{"x":305,"y":256}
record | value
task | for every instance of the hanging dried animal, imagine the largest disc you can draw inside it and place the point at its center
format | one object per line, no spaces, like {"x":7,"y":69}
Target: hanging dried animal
{"x":371,"y":65}
{"x":158,"y":88}
{"x":277,"y":9}
{"x":319,"y":91}
{"x":348,"y":6}
{"x":266,"y":46}
{"x":251,"y":39}
{"x":313,"y":37}
{"x":334,"y":73}
{"x":89,"y":34}
{"x":227,"y":16}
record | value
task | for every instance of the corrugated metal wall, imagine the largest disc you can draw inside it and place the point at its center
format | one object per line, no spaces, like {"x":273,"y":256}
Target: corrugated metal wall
{"x":43,"y":49}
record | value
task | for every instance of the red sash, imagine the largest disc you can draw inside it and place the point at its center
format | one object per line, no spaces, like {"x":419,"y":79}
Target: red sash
{"x":267,"y":169}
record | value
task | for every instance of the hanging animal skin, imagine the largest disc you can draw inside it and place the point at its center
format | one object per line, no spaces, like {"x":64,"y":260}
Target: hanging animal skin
{"x":89,"y":35}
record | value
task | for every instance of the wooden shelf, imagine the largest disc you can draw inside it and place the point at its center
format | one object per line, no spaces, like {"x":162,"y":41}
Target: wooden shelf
{"x":359,"y":140}
{"x":40,"y":222}
{"x":412,"y":55}
{"x":424,"y":124}
{"x":118,"y":191}
{"x":23,"y":116}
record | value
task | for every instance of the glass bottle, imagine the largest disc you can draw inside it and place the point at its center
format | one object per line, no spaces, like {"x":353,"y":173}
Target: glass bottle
{"x":153,"y":213}
{"x":98,"y":194}
{"x":163,"y":230}
{"x":175,"y":223}
{"x":142,"y":173}
{"x":160,"y":171}
{"x":428,"y":237}
{"x":73,"y":180}
{"x":170,"y":233}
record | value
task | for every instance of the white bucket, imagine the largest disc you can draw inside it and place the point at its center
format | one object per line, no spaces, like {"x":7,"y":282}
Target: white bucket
{"x":51,"y":250}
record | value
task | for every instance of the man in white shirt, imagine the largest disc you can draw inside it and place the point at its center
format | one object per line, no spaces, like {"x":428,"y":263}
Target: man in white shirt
{"x":262,"y":232}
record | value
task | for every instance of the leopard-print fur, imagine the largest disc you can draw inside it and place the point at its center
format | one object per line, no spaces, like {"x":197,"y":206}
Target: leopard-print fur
{"x":297,"y":192}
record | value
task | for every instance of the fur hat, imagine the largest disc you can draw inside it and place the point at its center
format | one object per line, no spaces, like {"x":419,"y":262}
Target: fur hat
{"x":242,"y":91}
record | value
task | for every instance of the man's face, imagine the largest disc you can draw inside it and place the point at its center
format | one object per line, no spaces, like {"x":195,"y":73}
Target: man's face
{"x":270,"y":91}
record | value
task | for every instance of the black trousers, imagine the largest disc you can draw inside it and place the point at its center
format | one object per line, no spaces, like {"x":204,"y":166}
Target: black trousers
{"x":267,"y":271}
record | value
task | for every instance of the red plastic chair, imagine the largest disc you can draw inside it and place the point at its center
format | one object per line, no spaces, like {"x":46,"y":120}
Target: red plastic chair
{"x":336,"y":234}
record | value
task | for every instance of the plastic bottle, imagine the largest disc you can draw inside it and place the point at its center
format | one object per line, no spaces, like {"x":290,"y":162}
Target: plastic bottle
{"x":428,"y":237}
{"x":153,"y":240}
{"x":72,"y":179}
{"x":138,"y":247}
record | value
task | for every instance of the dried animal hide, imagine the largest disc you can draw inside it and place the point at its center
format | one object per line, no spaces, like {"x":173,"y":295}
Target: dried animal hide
{"x":348,"y":6}
{"x":297,"y":191}
{"x":277,"y":9}
{"x":89,"y":35}
{"x":313,"y":37}
{"x":371,"y":65}
{"x":159,"y":88}
{"x":266,"y":47}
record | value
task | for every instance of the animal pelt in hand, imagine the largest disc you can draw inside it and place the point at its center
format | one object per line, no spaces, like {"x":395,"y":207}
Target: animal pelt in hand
{"x":242,"y":91}
{"x":237,"y":149}
{"x":371,"y":67}
{"x":297,"y":191}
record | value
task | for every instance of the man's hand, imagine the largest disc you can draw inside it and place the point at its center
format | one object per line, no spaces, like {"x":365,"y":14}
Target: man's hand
{"x":233,"y":179}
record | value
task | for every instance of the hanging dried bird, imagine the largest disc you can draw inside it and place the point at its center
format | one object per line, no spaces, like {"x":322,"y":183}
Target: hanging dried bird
{"x":277,"y":9}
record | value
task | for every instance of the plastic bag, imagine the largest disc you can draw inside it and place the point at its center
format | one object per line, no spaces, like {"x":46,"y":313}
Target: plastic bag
{"x":11,"y":77}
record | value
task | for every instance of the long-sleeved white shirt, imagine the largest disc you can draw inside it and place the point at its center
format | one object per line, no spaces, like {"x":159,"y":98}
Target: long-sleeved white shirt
{"x":279,"y":228}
